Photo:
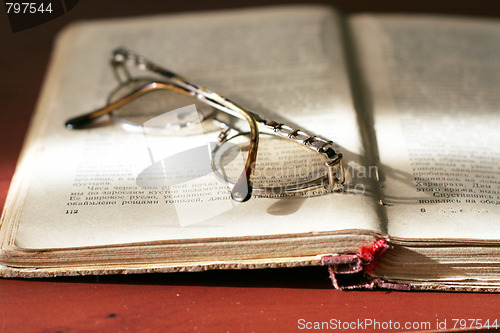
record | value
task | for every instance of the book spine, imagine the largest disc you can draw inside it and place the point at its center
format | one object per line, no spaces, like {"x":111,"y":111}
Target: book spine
{"x":354,"y":271}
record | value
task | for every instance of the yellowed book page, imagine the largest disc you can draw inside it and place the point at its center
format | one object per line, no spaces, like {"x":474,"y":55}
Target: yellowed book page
{"x":82,"y":187}
{"x":433,"y":86}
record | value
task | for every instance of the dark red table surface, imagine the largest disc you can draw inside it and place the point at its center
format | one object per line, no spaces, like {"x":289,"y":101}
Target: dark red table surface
{"x":260,"y":300}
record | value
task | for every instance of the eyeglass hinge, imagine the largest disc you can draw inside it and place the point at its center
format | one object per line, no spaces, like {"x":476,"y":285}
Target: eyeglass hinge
{"x":275,"y":125}
{"x":293,"y":133}
{"x":310,"y":140}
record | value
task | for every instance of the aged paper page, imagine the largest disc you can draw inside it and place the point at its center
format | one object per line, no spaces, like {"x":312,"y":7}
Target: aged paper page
{"x":285,"y":62}
{"x":433,"y":84}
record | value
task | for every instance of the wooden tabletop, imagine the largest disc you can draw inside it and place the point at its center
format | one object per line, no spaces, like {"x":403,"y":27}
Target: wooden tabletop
{"x":281,"y":300}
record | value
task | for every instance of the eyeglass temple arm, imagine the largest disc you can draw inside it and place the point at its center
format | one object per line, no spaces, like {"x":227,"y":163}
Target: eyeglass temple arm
{"x":242,"y":191}
{"x":314,"y":142}
{"x":119,"y":59}
{"x":82,"y":121}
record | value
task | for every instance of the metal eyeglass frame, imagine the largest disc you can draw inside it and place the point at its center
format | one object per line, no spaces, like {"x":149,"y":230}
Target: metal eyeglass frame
{"x":242,"y":190}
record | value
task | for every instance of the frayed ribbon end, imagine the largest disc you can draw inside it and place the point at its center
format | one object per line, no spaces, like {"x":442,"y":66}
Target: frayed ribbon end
{"x":353,"y":271}
{"x":370,"y":254}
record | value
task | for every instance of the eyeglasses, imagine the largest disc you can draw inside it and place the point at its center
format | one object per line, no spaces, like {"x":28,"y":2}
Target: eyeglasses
{"x":290,"y":160}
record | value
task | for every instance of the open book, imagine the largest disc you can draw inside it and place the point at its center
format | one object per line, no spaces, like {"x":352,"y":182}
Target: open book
{"x":410,"y":101}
